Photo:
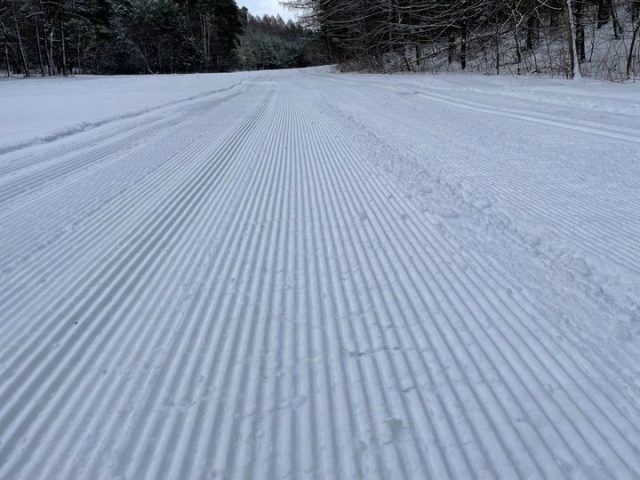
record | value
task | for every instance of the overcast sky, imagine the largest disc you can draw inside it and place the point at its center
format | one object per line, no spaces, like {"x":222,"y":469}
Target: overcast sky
{"x":260,"y":7}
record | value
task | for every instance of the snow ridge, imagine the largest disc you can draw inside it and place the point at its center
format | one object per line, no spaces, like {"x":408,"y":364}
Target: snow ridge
{"x":243,"y":294}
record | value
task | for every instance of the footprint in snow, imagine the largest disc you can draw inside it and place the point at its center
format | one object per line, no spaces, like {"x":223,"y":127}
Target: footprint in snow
{"x":482,"y":204}
{"x":449,"y":213}
{"x":396,"y":426}
{"x":298,"y":401}
{"x":580,"y":266}
{"x":622,"y":334}
{"x":360,"y":446}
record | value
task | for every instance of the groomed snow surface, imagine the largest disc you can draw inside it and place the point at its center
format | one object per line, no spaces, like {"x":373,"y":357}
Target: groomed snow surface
{"x":302,"y":274}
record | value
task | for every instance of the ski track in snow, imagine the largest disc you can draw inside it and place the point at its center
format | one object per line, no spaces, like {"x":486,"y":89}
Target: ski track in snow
{"x":234,"y":289}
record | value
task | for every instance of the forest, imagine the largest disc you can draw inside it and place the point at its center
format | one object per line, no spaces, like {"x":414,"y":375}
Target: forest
{"x":63,"y":37}
{"x":570,"y":38}
{"x":597,"y":38}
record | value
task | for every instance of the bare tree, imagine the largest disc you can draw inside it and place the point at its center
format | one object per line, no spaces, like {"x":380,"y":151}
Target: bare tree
{"x":632,"y":47}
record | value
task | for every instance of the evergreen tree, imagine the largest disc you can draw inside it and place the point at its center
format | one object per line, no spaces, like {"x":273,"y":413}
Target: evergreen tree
{"x":120,"y":36}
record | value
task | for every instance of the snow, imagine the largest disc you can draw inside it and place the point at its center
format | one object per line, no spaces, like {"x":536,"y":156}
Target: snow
{"x":306,"y":274}
{"x":43,"y":109}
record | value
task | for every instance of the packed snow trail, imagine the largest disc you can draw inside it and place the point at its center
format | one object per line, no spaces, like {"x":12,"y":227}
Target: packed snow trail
{"x":239,"y":286}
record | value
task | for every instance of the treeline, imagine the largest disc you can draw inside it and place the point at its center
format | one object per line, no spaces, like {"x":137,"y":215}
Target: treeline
{"x":62,"y":37}
{"x":533,"y":35}
{"x":268,"y":42}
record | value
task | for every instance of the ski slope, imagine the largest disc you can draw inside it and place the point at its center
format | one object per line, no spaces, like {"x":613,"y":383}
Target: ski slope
{"x":301,"y":274}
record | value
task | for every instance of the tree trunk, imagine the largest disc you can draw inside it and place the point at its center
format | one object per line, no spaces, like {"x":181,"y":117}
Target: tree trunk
{"x":518,"y":52}
{"x":78,"y":42}
{"x":532,"y":31}
{"x":78,"y":60}
{"x":463,"y":48}
{"x":631,"y":48}
{"x":603,"y":13}
{"x":204,"y":42}
{"x":497,"y":41}
{"x":617,"y":28}
{"x":407,"y":63}
{"x":579,"y":26}
{"x":40,"y":58}
{"x":23,"y":54}
{"x":65,"y":70}
{"x":571,"y":36}
{"x":49,"y":49}
{"x":452,"y":48}
{"x":6,"y":55}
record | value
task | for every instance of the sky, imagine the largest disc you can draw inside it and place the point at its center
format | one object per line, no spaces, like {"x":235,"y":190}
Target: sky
{"x":260,"y":7}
